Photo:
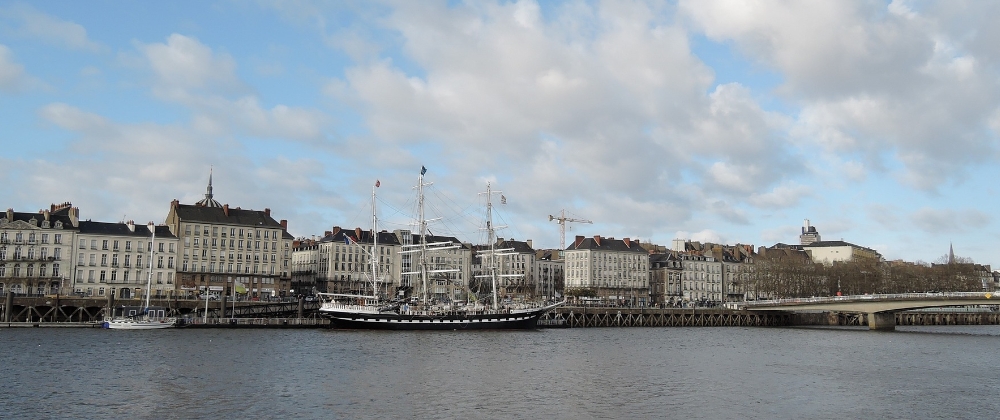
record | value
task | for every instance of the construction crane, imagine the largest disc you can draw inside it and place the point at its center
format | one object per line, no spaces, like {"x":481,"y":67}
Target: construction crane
{"x":562,"y":219}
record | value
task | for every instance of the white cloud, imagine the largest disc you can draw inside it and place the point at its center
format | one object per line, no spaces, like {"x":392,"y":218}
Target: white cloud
{"x":51,"y":29}
{"x":615,"y":105}
{"x":782,"y":196}
{"x":874,"y":79}
{"x":191,"y":73}
{"x":938,"y":221}
{"x":12,"y":76}
{"x":183,"y":66}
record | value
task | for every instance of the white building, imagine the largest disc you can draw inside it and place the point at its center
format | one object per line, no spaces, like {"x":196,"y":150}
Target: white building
{"x":116,"y":258}
{"x":618,"y":270}
{"x":223,"y":248}
{"x":35,"y":250}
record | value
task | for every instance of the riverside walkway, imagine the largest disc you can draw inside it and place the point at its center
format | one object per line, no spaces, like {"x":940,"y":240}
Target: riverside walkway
{"x":881,"y":309}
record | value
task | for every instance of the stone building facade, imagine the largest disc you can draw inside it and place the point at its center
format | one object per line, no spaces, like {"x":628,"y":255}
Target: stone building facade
{"x":226,"y":250}
{"x":618,"y":270}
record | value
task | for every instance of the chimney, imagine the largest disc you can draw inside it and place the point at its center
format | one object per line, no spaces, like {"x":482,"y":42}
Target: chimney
{"x":225,"y":209}
{"x":10,"y":215}
{"x":529,"y":244}
{"x":578,"y":241}
{"x":131,"y":225}
{"x":284,"y":224}
{"x":628,"y":243}
{"x":357,"y":234}
{"x":74,"y":216}
{"x":46,"y":214}
{"x":597,"y":239}
{"x":336,"y":230}
{"x":174,"y":203}
{"x":267,"y":212}
{"x":327,"y":233}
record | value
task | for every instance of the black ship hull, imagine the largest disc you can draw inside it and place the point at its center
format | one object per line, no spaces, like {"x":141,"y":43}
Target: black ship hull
{"x":456,"y":321}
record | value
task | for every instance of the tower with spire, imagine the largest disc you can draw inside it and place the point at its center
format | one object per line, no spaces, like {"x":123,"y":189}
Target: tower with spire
{"x":208,"y":201}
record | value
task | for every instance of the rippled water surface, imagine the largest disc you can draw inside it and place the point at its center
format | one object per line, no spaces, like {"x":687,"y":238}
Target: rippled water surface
{"x":711,"y":373}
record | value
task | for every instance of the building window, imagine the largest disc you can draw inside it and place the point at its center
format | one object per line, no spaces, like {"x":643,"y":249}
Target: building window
{"x":57,"y":238}
{"x":55,"y":270}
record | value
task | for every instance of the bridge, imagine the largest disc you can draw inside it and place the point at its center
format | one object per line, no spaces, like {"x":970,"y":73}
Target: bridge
{"x":881,"y":309}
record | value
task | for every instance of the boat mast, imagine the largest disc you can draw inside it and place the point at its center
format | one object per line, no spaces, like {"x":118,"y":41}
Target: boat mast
{"x":149,"y":277}
{"x":491,"y":237}
{"x":423,"y":232}
{"x":374,"y":252}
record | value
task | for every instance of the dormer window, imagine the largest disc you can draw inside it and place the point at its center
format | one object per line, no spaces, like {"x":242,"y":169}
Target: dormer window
{"x":58,"y":225}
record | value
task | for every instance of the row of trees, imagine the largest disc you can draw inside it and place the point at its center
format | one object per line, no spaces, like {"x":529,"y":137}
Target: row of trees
{"x":788,"y":275}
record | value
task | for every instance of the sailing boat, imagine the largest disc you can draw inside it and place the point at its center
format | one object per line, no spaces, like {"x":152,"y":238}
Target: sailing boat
{"x":147,"y":317}
{"x":375,"y":312}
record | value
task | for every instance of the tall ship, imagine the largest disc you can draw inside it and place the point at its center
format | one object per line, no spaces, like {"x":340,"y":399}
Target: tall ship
{"x":423,"y":311}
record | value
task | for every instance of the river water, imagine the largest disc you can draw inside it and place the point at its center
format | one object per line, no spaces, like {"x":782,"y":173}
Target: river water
{"x":593,"y":373}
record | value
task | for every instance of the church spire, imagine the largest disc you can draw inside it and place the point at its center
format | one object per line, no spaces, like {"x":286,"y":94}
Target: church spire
{"x":208,"y":194}
{"x":951,"y":253}
{"x":209,"y":201}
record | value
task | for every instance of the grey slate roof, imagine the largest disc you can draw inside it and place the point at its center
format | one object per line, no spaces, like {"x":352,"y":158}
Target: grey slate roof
{"x":53,"y":217}
{"x":386,"y":238}
{"x":607,"y":244}
{"x":121,"y":229}
{"x":237,"y":216}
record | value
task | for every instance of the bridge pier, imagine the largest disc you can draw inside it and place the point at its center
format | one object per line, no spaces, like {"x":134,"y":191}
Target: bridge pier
{"x":882,"y":321}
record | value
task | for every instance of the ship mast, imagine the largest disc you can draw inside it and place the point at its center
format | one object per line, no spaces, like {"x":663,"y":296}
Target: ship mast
{"x":491,"y":236}
{"x":374,"y":253}
{"x":149,"y":277}
{"x":492,"y":266}
{"x":423,"y":232}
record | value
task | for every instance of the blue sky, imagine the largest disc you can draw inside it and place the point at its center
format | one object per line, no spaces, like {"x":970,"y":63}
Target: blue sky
{"x":718,"y":121}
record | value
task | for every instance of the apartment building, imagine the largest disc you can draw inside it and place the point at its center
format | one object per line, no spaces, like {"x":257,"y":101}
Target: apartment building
{"x":618,"y":270}
{"x":223,"y":249}
{"x":119,"y":259}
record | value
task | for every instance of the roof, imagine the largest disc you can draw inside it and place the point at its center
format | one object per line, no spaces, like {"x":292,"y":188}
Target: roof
{"x":606,"y":244}
{"x":122,"y":229}
{"x":225,"y":215}
{"x":519,"y":247}
{"x":67,"y":223}
{"x":823,"y":244}
{"x":361,"y":236}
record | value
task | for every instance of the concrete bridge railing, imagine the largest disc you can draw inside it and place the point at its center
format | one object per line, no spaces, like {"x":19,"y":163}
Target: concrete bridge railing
{"x":881,"y":309}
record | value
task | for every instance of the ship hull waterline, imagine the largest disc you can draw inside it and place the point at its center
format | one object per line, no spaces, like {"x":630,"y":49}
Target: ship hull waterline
{"x":392,"y":321}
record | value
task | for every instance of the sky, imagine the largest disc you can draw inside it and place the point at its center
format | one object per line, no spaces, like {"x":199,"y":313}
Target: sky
{"x":715,"y":121}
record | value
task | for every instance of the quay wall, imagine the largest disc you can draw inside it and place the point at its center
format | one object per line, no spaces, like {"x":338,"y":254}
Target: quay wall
{"x":598,"y":317}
